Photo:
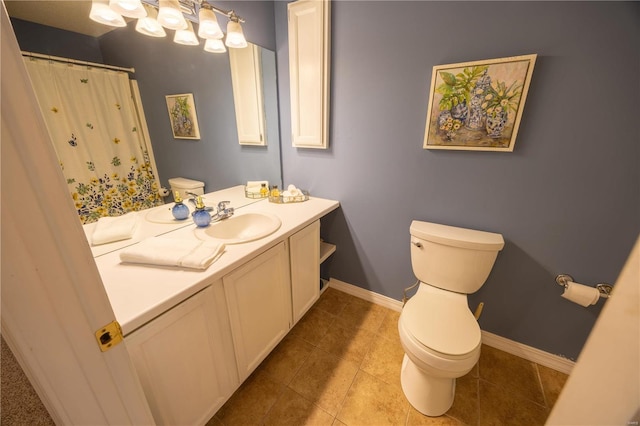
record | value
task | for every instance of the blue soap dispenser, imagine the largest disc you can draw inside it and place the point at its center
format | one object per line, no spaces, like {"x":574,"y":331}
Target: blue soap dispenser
{"x":201,"y":217}
{"x":179,"y":210}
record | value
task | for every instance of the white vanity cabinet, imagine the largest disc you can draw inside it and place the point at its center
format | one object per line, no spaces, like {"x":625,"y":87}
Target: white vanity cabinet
{"x":185,"y":361}
{"x":304,"y":255}
{"x":309,"y":54}
{"x":259,"y":301}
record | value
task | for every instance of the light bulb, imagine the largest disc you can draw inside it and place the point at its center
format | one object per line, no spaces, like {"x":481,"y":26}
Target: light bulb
{"x":128,"y":8}
{"x":186,"y":36}
{"x":214,"y":45}
{"x":149,"y":25}
{"x":208,"y":26}
{"x":235,"y":36}
{"x":100,"y":12}
{"x":170,"y":15}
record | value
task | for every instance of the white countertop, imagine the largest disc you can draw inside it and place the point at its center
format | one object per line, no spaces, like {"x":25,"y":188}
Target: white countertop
{"x":139,"y":293}
{"x":145,"y":229}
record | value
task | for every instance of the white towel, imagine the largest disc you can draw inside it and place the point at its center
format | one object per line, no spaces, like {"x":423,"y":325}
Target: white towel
{"x":167,"y":251}
{"x":110,"y":229}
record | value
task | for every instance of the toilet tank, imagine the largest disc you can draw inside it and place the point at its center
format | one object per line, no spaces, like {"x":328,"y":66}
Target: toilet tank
{"x":451,"y":258}
{"x":184,"y":185}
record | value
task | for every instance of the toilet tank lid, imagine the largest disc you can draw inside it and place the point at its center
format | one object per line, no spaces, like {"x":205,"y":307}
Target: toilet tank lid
{"x":185,"y":183}
{"x":456,"y":237}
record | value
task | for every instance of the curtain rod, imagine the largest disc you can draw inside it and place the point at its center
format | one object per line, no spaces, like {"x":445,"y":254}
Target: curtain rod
{"x":76,"y":62}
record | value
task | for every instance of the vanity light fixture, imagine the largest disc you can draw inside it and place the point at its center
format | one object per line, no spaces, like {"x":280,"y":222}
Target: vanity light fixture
{"x":149,"y":25}
{"x":186,"y":36}
{"x":153,"y":15}
{"x":102,"y":13}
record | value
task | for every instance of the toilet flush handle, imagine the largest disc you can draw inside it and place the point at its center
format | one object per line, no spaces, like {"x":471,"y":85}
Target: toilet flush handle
{"x":416,"y":243}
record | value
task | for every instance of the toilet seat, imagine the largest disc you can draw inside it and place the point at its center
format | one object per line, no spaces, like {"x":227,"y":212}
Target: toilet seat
{"x":441,"y":322}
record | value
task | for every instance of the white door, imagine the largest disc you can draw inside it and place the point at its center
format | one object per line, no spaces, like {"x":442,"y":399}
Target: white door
{"x":604,"y":386}
{"x":304,"y":258}
{"x":52,"y":296}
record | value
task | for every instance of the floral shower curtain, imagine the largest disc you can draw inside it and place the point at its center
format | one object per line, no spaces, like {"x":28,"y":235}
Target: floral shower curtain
{"x":91,"y":117}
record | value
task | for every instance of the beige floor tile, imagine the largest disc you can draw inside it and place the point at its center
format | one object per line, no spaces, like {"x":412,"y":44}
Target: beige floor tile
{"x":249,"y":404}
{"x":510,"y":373}
{"x":384,"y":360}
{"x":333,"y":301}
{"x":389,"y":327}
{"x":313,"y":325}
{"x":362,"y":314}
{"x":286,"y":359}
{"x":337,"y":422}
{"x":324,"y":379}
{"x":351,"y":343}
{"x":416,"y":418}
{"x":370,"y":401}
{"x":292,"y":409}
{"x":552,"y":383}
{"x":500,"y":406}
{"x":465,"y":403}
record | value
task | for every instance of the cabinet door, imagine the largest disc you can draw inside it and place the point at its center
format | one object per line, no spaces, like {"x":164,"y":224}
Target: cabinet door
{"x":309,"y":46}
{"x":246,"y":76}
{"x":183,"y":361}
{"x":259,"y":299}
{"x":304,"y":251}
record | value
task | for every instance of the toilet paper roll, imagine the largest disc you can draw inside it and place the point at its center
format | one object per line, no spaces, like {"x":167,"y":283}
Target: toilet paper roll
{"x":581,"y":294}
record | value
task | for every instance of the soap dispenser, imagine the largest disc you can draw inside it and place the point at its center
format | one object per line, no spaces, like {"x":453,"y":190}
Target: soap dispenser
{"x":179,"y":210}
{"x":201,"y":217}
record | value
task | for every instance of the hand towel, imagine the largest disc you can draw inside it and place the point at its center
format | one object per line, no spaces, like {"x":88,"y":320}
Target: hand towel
{"x":167,"y":251}
{"x":110,"y":229}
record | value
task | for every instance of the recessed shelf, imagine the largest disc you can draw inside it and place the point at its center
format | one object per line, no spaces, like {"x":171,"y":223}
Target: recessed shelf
{"x":326,"y":250}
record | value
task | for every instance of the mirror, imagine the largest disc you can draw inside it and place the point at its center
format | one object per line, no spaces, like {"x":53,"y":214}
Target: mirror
{"x":163,"y":68}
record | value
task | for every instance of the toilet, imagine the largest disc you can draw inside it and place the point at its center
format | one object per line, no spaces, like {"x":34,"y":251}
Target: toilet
{"x":184,"y":185}
{"x":438,"y":332}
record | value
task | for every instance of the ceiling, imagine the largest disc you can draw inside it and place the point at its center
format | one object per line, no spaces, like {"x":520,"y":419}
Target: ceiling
{"x":63,"y":14}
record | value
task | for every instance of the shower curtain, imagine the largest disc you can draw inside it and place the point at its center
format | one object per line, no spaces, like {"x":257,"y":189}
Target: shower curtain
{"x":98,"y":138}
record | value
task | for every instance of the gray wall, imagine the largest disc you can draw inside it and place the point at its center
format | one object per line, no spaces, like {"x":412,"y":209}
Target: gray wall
{"x":566,"y":200}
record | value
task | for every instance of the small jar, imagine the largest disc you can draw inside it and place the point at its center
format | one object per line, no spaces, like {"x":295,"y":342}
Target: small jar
{"x":201,"y":217}
{"x":179,"y":210}
{"x":275,"y":192}
{"x":264,"y":191}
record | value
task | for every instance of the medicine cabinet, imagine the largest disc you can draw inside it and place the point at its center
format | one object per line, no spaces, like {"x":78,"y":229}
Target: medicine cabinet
{"x":309,"y":55}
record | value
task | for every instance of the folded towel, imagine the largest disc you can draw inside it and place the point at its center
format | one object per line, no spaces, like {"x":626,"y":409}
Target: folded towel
{"x":110,"y":229}
{"x":167,"y":251}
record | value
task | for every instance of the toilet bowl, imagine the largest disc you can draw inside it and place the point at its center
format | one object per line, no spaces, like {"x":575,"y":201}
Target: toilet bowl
{"x":439,"y":334}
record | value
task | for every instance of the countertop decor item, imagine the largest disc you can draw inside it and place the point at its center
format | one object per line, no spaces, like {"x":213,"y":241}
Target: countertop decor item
{"x":478,"y":105}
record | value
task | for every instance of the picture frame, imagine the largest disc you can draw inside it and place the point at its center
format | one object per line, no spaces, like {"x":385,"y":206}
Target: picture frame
{"x":182,"y":116}
{"x":478,"y":105}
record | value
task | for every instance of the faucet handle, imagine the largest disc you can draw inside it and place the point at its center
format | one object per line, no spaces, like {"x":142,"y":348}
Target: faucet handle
{"x":223,"y":205}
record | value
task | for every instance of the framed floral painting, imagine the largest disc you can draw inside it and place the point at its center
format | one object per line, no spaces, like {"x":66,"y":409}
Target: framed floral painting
{"x":478,"y":105}
{"x":182,"y":115}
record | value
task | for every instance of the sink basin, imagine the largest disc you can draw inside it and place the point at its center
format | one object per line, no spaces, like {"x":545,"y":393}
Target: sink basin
{"x":241,"y":228}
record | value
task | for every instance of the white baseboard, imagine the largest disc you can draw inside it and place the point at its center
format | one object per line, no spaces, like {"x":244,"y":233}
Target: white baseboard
{"x":529,"y":353}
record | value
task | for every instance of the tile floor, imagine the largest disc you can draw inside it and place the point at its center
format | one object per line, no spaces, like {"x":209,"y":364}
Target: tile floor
{"x":340,"y":365}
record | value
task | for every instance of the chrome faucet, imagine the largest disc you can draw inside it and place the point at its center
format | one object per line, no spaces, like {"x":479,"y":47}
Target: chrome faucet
{"x":223,"y":212}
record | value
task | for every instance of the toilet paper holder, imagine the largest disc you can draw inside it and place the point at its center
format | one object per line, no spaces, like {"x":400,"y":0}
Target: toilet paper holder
{"x":603,"y":288}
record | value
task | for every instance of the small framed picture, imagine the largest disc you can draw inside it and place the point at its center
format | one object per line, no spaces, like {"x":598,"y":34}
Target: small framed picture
{"x":478,"y":105}
{"x":182,"y":115}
